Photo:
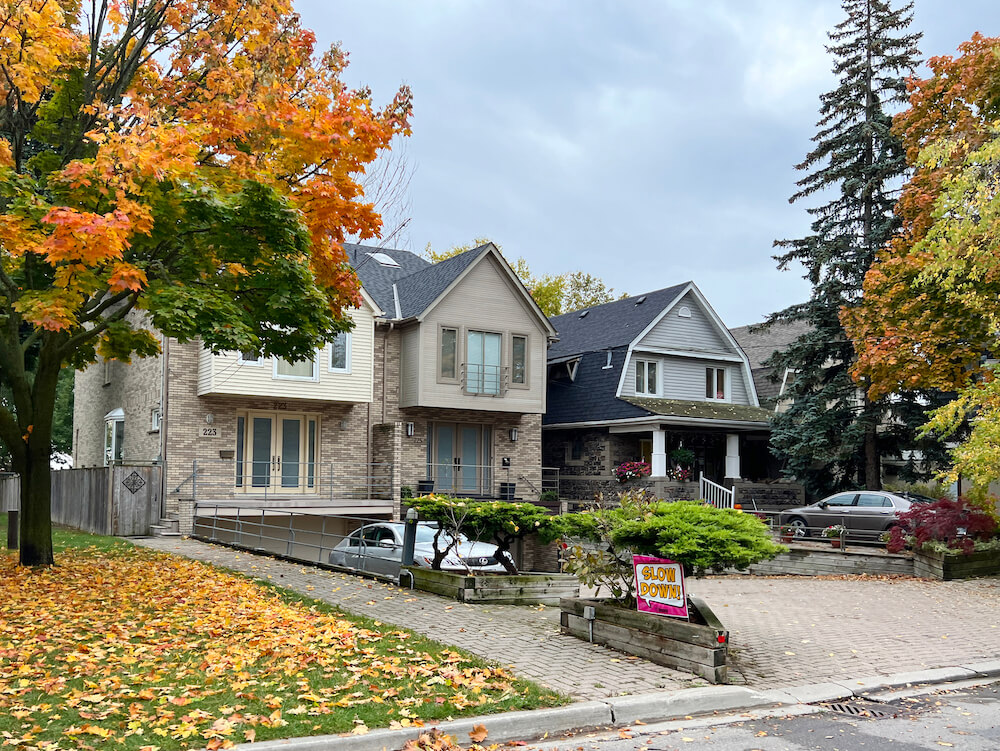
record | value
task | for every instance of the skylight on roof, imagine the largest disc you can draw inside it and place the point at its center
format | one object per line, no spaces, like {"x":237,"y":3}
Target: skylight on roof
{"x":584,"y":314}
{"x":641,"y":300}
{"x":384,"y":260}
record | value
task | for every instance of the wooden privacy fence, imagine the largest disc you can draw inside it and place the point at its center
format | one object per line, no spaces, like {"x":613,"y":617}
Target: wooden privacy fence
{"x":121,"y":500}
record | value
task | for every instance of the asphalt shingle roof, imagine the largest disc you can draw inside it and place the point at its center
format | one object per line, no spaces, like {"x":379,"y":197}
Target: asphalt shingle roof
{"x":760,"y":344}
{"x":700,"y":410}
{"x":418,"y":281}
{"x":592,"y":395}
{"x":613,"y":324}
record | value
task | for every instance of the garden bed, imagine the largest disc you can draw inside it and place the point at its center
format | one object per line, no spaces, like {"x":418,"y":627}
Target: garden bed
{"x":805,"y":559}
{"x":947,"y":566}
{"x":508,"y":589}
{"x":698,"y":646}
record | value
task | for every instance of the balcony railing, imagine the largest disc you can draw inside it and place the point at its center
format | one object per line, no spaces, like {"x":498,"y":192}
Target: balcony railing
{"x":486,"y":481}
{"x":490,"y":380}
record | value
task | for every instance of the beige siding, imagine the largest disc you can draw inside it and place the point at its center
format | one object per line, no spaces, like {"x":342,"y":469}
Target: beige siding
{"x":485,"y":300}
{"x":409,"y":366}
{"x":697,"y":333}
{"x":224,"y":374}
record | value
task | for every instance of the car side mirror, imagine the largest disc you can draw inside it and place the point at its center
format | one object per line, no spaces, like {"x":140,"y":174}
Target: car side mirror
{"x":823,"y":504}
{"x":386,"y":544}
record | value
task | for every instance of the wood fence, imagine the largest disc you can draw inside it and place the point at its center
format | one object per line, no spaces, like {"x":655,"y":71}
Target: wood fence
{"x":122,"y":500}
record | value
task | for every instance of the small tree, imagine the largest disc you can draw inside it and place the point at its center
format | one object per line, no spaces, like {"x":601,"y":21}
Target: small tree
{"x":498,"y":522}
{"x":957,"y":524}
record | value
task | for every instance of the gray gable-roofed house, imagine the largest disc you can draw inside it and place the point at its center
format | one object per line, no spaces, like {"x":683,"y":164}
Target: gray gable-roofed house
{"x":641,"y":378}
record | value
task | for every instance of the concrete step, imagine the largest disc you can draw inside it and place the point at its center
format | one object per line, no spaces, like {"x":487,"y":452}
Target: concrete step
{"x":171,"y":524}
{"x":162,"y":530}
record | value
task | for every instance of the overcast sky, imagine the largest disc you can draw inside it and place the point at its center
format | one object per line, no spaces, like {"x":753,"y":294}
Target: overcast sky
{"x":647,"y":143}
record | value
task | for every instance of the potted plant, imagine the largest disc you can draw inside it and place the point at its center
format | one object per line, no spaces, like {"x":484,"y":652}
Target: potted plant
{"x":835,"y":533}
{"x":599,"y":544}
{"x":786,"y":532}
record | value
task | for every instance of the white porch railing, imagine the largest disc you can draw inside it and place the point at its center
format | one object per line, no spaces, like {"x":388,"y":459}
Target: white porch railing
{"x":713,"y":493}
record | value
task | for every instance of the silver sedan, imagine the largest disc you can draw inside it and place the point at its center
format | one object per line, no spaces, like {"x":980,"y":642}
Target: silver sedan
{"x":865,"y":514}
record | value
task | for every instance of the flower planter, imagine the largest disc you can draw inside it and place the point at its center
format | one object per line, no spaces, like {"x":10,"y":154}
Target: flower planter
{"x":698,"y":646}
{"x":509,"y":589}
{"x":947,"y":566}
{"x":835,"y":542}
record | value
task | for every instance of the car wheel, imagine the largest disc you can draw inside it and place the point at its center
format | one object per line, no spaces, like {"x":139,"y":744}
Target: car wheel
{"x":799,"y":526}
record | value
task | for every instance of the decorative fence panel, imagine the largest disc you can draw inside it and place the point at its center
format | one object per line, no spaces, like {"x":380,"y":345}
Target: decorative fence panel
{"x":121,"y":500}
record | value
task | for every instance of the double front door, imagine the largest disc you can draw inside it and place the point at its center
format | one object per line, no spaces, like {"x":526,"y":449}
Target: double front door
{"x":276,"y":451}
{"x":460,"y":458}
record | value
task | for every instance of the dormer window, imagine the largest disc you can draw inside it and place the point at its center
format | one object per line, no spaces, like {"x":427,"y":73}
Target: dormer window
{"x":715,"y":384}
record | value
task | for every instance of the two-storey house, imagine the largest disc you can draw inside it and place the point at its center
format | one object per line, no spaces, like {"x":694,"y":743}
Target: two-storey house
{"x":440,"y":384}
{"x":650,"y":378}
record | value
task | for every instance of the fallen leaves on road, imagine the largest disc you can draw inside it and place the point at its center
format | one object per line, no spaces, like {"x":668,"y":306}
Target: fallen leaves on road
{"x":140,"y":650}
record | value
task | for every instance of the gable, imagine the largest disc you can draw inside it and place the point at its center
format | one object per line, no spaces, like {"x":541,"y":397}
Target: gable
{"x":687,"y":327}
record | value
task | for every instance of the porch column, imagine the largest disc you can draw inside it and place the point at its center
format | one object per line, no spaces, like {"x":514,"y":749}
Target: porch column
{"x":659,"y":453}
{"x":732,"y":456}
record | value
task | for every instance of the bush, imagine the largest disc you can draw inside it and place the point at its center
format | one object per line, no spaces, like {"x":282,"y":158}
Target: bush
{"x":405,"y":493}
{"x":929,"y":489}
{"x":957,"y":524}
{"x":549,"y":496}
{"x":700,"y":537}
{"x":498,"y":522}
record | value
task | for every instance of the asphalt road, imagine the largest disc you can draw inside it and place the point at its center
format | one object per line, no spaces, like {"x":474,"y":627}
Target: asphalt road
{"x":966,"y":719}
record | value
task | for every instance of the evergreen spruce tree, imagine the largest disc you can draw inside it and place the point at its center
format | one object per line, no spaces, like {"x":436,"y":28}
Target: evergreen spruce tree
{"x":829,"y":438}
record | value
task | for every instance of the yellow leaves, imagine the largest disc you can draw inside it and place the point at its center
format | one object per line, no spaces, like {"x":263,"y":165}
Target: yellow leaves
{"x":36,"y":40}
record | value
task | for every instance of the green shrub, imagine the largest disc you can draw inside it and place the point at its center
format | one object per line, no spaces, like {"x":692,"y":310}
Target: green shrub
{"x":405,"y":493}
{"x":699,"y":537}
{"x":498,"y":522}
{"x":549,"y":496}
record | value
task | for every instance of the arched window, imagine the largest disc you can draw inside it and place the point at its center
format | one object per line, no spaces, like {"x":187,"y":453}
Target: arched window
{"x":114,"y":436}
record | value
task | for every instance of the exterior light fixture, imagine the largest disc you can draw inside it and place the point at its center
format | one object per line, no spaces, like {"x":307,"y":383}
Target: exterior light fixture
{"x":409,"y":430}
{"x":513,"y":435}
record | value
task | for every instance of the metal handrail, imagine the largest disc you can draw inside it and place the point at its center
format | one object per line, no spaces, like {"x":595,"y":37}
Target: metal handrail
{"x":490,"y":380}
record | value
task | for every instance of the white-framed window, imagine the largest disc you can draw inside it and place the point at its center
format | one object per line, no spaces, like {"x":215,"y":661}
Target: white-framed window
{"x":250,"y":358}
{"x":114,"y":437}
{"x":301,"y":370}
{"x":340,"y":353}
{"x":519,"y":360}
{"x":647,"y":377}
{"x":716,"y":384}
{"x":448,"y":353}
{"x":154,"y":420}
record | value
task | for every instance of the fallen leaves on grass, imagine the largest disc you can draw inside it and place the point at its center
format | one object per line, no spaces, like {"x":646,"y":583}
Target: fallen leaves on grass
{"x":143,"y":651}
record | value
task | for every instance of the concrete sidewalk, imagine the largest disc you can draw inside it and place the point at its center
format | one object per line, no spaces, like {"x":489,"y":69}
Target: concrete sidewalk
{"x":785,"y":631}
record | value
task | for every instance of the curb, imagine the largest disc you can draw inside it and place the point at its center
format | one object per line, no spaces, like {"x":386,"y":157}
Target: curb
{"x":627,"y":710}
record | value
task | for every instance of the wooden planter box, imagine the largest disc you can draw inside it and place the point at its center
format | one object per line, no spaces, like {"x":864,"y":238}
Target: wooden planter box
{"x":805,"y":561}
{"x":946,"y":566}
{"x":698,"y":646}
{"x":516,"y":589}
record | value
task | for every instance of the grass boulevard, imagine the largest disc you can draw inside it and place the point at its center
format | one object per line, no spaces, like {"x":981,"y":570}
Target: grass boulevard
{"x":120,"y":647}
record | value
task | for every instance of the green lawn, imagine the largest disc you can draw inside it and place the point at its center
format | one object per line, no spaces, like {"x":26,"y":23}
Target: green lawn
{"x":119,"y":646}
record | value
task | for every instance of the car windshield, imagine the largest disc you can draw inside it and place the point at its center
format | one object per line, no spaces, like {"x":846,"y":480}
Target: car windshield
{"x":426,"y":534}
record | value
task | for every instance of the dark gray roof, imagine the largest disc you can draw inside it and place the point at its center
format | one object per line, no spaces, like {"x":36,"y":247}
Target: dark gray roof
{"x":418,"y":281}
{"x":592,"y":395}
{"x":701,"y":410}
{"x":613,"y":324}
{"x":759,"y":344}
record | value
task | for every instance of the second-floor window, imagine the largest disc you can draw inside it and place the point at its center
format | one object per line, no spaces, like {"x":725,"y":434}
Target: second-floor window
{"x":303,"y":370}
{"x":482,"y":367}
{"x":715,"y":383}
{"x":340,"y":353}
{"x":448,"y":360}
{"x":646,"y":377}
{"x":519,"y":360}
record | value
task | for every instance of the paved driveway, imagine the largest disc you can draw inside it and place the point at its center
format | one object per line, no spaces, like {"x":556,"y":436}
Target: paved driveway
{"x":785,"y":631}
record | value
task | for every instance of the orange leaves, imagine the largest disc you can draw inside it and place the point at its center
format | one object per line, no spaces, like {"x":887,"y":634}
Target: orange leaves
{"x":140,"y":650}
{"x":85,"y":236}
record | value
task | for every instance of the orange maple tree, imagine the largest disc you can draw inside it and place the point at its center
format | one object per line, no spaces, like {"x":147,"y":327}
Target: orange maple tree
{"x":930,"y":317}
{"x":190,"y":166}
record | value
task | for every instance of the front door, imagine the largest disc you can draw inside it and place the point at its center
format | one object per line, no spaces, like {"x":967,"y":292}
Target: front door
{"x":460,"y":459}
{"x":276,"y":452}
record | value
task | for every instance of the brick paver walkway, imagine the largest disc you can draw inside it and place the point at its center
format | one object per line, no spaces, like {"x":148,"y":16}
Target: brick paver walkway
{"x":784,"y":631}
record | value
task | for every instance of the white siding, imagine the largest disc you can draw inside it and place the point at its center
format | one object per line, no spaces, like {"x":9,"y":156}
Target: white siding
{"x":697,"y":333}
{"x":485,"y":300}
{"x":684,"y":378}
{"x":224,"y":374}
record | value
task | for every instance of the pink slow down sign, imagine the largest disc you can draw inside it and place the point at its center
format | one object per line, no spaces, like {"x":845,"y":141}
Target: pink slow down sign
{"x":659,"y":586}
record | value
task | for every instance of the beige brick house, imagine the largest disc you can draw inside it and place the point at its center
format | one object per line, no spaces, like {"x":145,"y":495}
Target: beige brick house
{"x":441,"y":383}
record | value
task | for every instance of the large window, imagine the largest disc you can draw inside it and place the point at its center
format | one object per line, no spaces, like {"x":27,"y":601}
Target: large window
{"x":483,"y":375}
{"x":519,"y":360}
{"x":646,"y":377}
{"x":302,"y":370}
{"x":715,"y":383}
{"x":340,"y":353}
{"x":448,"y":354}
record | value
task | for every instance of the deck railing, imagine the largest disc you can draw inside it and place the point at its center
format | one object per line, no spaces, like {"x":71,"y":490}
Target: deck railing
{"x":713,"y":493}
{"x":514,"y":482}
